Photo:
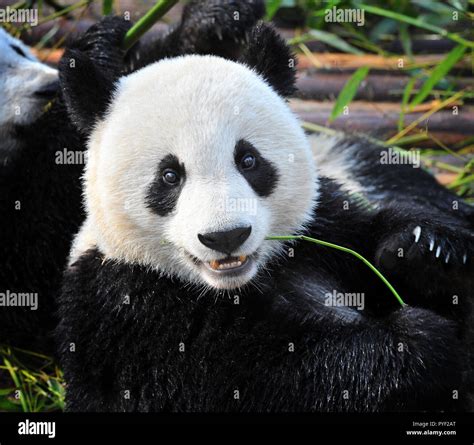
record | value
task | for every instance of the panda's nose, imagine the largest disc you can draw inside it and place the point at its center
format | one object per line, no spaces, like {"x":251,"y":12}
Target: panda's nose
{"x":225,"y":242}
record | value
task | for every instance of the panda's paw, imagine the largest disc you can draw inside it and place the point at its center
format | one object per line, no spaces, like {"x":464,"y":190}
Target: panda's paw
{"x":106,"y":35}
{"x":220,"y":20}
{"x":420,"y":246}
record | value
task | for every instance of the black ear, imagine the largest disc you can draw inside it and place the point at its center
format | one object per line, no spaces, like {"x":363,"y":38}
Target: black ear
{"x":218,"y":27}
{"x":269,"y":55}
{"x":87,"y":90}
{"x":89,"y":69}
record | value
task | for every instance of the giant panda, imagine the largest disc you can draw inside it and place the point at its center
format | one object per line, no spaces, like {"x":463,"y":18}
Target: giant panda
{"x":174,"y":300}
{"x":40,"y":199}
{"x":42,"y":155}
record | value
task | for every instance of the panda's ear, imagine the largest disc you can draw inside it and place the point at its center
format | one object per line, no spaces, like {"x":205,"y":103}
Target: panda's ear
{"x":269,"y":55}
{"x":89,"y":70}
{"x":87,"y":90}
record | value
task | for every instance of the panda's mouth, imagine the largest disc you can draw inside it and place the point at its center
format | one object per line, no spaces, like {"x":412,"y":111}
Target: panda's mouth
{"x":231,"y":266}
{"x":228,"y":263}
{"x":229,"y":272}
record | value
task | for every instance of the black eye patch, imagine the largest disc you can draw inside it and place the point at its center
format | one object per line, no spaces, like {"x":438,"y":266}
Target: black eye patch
{"x":18,"y":50}
{"x":260,"y":173}
{"x":164,"y":192}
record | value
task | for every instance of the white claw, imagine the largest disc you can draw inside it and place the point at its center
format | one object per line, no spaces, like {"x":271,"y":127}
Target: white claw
{"x":438,"y":251}
{"x":431,"y":245}
{"x":447,"y":258}
{"x":464,"y":258}
{"x":417,"y":233}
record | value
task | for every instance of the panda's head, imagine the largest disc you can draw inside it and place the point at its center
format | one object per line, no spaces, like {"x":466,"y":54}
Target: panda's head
{"x":26,"y":84}
{"x":194,"y":162}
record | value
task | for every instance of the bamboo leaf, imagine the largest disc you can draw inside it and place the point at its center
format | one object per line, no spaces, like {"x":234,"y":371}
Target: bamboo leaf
{"x":438,"y":73}
{"x":272,"y":8}
{"x":107,"y":7}
{"x":9,"y":405}
{"x":349,"y":91}
{"x":330,"y":39}
{"x":416,"y":22}
{"x":406,"y":97}
{"x":405,"y":39}
{"x":6,"y":391}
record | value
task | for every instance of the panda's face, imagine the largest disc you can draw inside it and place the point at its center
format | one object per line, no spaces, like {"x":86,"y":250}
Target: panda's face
{"x":197,"y":161}
{"x":26,"y":85}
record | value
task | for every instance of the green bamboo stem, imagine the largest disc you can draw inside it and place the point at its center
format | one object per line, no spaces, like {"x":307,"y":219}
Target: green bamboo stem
{"x":107,"y":7}
{"x":147,"y":21}
{"x":64,"y":11}
{"x":343,"y":249}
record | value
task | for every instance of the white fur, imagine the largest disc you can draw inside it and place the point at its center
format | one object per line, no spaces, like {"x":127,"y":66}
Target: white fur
{"x":197,"y":108}
{"x":334,"y":164}
{"x":20,"y":78}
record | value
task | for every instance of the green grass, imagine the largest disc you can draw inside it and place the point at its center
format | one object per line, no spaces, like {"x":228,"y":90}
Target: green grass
{"x":29,"y":382}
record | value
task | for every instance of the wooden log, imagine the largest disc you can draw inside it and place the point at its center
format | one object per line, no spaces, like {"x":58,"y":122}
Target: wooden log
{"x":342,"y":61}
{"x":369,"y":117}
{"x":376,"y":87}
{"x":51,"y":56}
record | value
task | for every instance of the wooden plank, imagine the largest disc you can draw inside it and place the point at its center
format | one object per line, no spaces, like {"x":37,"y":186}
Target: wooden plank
{"x":375,"y":87}
{"x":367,"y":117}
{"x":343,"y":61}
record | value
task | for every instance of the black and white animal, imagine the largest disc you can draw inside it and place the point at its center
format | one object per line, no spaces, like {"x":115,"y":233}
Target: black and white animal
{"x":42,"y":155}
{"x":40,"y":199}
{"x":175,"y":301}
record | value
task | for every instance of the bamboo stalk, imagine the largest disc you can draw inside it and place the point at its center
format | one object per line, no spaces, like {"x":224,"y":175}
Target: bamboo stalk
{"x":343,"y":249}
{"x":147,"y":21}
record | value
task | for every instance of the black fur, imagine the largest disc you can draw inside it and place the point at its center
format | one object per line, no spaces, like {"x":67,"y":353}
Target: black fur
{"x":89,"y":70}
{"x":35,"y":239}
{"x":279,"y":345}
{"x":408,"y":359}
{"x":442,"y":216}
{"x":206,"y":27}
{"x":264,"y":177}
{"x":269,"y":55}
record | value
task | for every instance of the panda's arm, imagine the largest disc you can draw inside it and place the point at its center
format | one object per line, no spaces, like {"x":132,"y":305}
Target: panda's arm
{"x":386,"y":175}
{"x":427,"y":255}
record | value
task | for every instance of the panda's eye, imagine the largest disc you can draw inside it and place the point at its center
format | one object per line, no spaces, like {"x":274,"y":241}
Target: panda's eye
{"x":18,"y":50}
{"x":248,"y":162}
{"x":170,"y":177}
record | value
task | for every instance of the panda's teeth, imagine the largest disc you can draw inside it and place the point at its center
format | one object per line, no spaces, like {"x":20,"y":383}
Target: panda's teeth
{"x":230,"y":265}
{"x":214,"y":264}
{"x":227,"y":263}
